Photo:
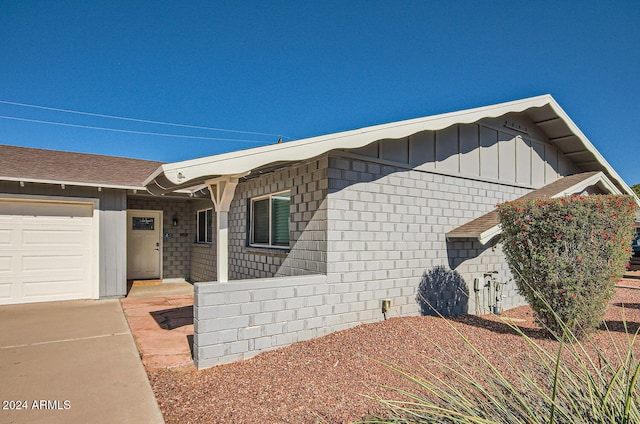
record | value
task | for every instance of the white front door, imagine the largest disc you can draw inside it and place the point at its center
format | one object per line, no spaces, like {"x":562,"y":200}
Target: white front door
{"x":144,"y":244}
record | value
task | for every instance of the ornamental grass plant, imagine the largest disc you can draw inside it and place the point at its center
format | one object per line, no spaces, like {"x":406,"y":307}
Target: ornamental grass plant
{"x":566,"y":255}
{"x":574,"y":383}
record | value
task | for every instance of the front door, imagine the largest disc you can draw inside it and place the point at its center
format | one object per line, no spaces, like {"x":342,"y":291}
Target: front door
{"x":144,"y":244}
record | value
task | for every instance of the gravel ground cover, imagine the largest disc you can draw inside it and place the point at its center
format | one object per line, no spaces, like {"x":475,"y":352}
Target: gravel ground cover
{"x":324,"y":380}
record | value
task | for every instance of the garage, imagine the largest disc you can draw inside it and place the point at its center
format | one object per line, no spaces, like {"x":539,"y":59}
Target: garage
{"x":48,"y":249}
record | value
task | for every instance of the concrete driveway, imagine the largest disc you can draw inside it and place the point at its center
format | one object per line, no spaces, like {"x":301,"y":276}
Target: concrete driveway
{"x":71,"y":362}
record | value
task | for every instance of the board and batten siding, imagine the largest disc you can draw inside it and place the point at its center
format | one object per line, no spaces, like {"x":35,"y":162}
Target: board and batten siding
{"x":113,"y":234}
{"x":483,"y":150}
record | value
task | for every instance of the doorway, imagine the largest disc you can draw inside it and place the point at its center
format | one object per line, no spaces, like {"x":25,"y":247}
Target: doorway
{"x":144,"y":244}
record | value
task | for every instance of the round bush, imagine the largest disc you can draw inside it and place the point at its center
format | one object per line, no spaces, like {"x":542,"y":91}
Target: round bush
{"x":566,"y":255}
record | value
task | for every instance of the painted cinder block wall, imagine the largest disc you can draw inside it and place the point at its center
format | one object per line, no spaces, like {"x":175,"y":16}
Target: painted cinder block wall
{"x":307,"y":232}
{"x":376,"y":251}
{"x":381,"y":237}
{"x":391,"y":203}
{"x":388,"y":228}
{"x":203,"y":255}
{"x":376,"y":218}
{"x":378,"y":215}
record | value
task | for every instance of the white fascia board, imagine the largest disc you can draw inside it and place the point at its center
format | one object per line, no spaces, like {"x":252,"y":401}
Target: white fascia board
{"x":598,"y":179}
{"x":483,"y":237}
{"x":243,"y":161}
{"x":486,"y":236}
{"x":73,"y":183}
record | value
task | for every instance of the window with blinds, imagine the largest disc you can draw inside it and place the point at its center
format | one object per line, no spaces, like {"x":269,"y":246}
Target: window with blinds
{"x":269,"y":220}
{"x":205,"y":226}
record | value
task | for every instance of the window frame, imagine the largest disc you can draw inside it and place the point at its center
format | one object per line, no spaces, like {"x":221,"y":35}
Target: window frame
{"x":208,"y":217}
{"x":251,"y":226}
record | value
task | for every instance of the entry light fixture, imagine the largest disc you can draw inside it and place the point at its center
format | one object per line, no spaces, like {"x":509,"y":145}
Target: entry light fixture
{"x":175,"y":221}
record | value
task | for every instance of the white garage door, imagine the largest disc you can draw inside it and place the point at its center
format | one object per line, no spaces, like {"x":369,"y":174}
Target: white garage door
{"x":47,"y":251}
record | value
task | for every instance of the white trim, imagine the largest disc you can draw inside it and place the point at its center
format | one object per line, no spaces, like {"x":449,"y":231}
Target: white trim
{"x":95,"y":228}
{"x":597,"y":179}
{"x":98,"y":186}
{"x":486,"y":236}
{"x":221,"y":191}
{"x":72,"y":183}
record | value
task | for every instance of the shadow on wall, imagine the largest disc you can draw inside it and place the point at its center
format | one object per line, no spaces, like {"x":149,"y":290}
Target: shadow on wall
{"x":442,"y":291}
{"x":458,"y":252}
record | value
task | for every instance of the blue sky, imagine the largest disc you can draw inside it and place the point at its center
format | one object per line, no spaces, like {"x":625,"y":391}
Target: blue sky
{"x":305,"y":68}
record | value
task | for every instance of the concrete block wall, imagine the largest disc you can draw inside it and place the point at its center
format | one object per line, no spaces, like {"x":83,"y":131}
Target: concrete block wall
{"x":203,"y":262}
{"x":203,"y":255}
{"x":176,"y":252}
{"x":239,"y":319}
{"x":387,"y":226}
{"x":307,"y":232}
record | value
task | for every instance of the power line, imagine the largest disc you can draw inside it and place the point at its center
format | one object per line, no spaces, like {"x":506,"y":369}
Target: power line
{"x":136,"y":120}
{"x":131,"y":131}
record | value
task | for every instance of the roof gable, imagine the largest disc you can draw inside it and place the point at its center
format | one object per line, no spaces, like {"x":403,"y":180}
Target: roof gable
{"x":487,"y":226}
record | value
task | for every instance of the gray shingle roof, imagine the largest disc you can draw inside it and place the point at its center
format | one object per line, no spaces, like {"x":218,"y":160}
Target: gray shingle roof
{"x":40,"y":165}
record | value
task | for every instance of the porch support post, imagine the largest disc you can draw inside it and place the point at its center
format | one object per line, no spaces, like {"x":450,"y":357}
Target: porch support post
{"x":222,"y":191}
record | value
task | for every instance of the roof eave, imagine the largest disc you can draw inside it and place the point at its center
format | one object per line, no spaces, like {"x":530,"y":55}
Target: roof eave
{"x":608,"y":169}
{"x":484,"y":237}
{"x":74,"y":183}
{"x":191,"y":172}
{"x":599,"y":179}
{"x":180,"y":175}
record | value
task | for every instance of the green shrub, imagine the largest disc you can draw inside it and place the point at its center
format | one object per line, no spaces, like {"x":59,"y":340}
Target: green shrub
{"x":566,"y":255}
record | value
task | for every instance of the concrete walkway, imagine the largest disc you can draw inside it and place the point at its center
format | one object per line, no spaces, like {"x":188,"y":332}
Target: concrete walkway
{"x":71,"y":362}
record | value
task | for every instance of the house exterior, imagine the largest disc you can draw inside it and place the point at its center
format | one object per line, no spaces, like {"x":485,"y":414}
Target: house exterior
{"x":295,"y":240}
{"x":64,"y":231}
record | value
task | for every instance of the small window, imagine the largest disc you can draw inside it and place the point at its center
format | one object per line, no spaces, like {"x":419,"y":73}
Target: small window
{"x":270,"y":220}
{"x":205,"y":226}
{"x":142,"y":223}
